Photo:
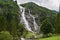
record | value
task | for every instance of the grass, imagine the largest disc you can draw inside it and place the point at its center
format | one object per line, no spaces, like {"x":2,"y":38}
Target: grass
{"x":51,"y":38}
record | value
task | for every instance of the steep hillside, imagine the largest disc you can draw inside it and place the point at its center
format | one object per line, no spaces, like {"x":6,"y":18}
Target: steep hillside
{"x":42,"y":12}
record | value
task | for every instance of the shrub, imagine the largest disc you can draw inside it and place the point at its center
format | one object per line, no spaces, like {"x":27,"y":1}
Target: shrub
{"x":4,"y":35}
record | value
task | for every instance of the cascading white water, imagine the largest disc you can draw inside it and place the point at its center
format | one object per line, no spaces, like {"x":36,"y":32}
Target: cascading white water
{"x":24,"y":20}
{"x":34,"y":22}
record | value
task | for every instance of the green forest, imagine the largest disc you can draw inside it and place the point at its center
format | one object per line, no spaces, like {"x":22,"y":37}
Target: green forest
{"x":11,"y":28}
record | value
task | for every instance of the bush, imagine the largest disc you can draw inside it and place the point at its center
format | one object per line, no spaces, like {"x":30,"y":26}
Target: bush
{"x":4,"y":35}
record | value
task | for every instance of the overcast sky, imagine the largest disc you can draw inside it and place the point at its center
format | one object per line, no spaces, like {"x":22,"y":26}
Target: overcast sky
{"x":51,"y":4}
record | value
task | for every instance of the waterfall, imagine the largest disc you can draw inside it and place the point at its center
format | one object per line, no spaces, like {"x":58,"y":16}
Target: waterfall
{"x":34,"y":22}
{"x":23,"y":19}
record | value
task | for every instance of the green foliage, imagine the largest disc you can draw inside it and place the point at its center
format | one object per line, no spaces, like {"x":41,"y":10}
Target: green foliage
{"x":46,"y":27}
{"x":58,"y":24}
{"x":30,"y":35}
{"x":9,"y":16}
{"x":8,"y":13}
{"x":21,"y":30}
{"x":4,"y":35}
